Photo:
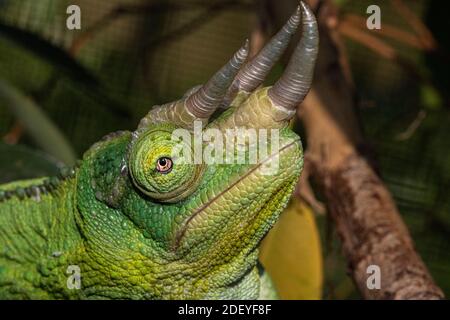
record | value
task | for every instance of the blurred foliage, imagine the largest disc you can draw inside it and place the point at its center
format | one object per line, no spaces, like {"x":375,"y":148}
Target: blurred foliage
{"x":20,"y":162}
{"x":153,"y":55}
{"x":58,"y":57}
{"x":42,"y":130}
{"x":431,"y":98}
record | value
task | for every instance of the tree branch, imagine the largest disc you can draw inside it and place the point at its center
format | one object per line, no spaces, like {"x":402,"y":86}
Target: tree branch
{"x":366,"y":218}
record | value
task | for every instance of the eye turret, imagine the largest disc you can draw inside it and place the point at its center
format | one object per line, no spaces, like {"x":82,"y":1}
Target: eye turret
{"x":155,"y":170}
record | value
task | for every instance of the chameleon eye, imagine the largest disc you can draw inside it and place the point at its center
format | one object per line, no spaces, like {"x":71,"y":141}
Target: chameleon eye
{"x":152,"y":158}
{"x":164,"y":165}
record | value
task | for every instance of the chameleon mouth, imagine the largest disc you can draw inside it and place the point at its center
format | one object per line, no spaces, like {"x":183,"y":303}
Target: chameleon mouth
{"x":182,"y":231}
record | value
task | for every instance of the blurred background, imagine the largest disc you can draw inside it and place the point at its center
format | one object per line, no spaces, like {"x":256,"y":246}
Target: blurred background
{"x":61,"y":90}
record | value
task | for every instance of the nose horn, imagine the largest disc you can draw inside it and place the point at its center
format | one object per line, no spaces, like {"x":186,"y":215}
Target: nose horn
{"x":290,"y":90}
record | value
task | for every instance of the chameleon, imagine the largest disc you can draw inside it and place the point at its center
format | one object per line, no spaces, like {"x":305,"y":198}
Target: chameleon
{"x":131,"y":221}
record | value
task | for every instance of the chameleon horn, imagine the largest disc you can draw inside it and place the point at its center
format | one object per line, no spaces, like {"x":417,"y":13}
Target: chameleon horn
{"x":200,"y":103}
{"x":207,"y":99}
{"x":290,"y":90}
{"x":254,"y":72}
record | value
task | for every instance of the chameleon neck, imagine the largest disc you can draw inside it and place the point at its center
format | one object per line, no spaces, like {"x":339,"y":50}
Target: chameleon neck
{"x":39,"y":237}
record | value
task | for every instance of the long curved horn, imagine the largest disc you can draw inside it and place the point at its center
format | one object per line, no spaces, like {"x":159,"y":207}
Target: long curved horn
{"x":255,"y":71}
{"x":201,"y":103}
{"x":207,"y":99}
{"x":290,"y":90}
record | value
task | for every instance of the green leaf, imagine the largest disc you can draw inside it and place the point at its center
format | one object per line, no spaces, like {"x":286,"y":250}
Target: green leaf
{"x":291,"y":254}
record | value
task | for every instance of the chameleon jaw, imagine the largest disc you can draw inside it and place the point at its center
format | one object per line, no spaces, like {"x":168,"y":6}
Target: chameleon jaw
{"x":195,"y":220}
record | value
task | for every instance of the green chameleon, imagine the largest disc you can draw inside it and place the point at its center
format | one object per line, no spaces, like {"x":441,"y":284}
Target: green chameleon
{"x":129,"y":221}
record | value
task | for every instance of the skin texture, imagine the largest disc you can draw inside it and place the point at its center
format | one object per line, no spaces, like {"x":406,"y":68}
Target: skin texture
{"x":135,"y":232}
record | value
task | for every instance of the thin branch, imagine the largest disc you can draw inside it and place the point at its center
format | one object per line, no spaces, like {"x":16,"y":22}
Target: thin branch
{"x":387,"y":31}
{"x":424,"y":34}
{"x":382,"y":48}
{"x":306,"y":192}
{"x":370,"y":41}
{"x":412,"y":128}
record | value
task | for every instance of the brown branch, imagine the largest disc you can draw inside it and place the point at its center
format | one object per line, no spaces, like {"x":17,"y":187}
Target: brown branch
{"x":349,"y":29}
{"x":305,"y":192}
{"x":373,"y":233}
{"x":377,"y":45}
{"x":364,"y":214}
{"x":387,"y":31}
{"x":425,"y":35}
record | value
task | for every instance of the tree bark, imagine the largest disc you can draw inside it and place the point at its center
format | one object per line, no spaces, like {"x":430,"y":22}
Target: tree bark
{"x":373,"y":234}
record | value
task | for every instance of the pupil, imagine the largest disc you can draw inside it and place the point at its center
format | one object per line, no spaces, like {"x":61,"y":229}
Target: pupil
{"x":162,"y":161}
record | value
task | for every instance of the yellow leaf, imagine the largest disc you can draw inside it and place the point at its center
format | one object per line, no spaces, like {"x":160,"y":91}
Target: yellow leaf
{"x":291,"y":254}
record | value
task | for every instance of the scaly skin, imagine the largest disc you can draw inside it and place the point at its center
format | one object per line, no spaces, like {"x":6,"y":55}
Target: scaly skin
{"x":138,"y":232}
{"x":32,"y":234}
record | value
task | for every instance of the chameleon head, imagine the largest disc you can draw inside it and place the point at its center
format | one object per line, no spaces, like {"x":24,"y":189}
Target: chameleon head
{"x":220,"y":208}
{"x":199,"y":216}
